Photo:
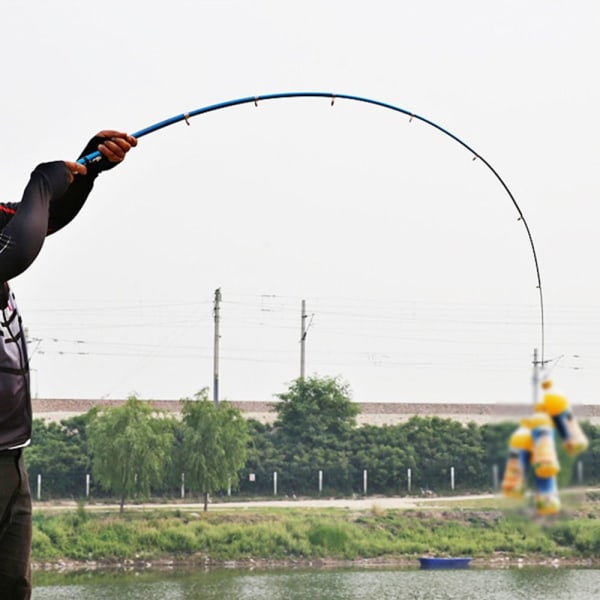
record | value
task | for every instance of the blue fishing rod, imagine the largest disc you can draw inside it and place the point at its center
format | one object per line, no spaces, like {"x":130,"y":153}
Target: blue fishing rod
{"x":333,"y":97}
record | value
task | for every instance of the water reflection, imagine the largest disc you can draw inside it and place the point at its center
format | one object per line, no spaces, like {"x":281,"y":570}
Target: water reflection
{"x":320,"y":584}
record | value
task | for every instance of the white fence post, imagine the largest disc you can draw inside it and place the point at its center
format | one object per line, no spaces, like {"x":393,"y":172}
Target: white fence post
{"x":320,"y":481}
{"x":365,"y":482}
{"x":274,"y":483}
{"x":452,"y":478}
{"x":409,"y":477}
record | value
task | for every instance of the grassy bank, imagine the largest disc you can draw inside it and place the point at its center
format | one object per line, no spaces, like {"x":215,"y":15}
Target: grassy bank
{"x":300,"y":535}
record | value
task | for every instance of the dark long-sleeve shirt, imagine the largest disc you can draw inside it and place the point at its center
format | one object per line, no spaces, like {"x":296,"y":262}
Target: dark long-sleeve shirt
{"x":48,"y":204}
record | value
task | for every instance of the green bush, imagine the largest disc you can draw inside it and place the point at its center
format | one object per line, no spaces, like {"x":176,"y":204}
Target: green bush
{"x":42,"y":548}
{"x":331,"y":538}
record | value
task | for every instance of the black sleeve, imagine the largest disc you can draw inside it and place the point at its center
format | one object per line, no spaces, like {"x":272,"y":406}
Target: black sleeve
{"x":48,"y":204}
{"x":64,"y":209}
{"x":21,"y":239}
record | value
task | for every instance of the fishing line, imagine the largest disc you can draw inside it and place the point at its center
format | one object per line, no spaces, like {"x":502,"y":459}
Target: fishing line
{"x":94,"y":156}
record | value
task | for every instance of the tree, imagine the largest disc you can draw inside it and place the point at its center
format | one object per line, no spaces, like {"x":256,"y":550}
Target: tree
{"x":214,"y":443}
{"x":315,"y":419}
{"x":590,"y":459}
{"x":314,"y":408}
{"x":435,"y":445}
{"x":59,"y":455}
{"x":383,"y":451}
{"x":130,"y":446}
{"x":263,"y":458}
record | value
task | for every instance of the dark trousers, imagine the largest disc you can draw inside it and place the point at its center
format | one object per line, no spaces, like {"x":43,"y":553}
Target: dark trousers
{"x":15,"y":527}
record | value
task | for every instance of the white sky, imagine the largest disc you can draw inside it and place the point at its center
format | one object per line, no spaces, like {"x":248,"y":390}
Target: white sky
{"x":418,"y":277}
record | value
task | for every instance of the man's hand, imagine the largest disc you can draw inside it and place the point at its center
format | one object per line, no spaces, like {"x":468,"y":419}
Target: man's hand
{"x":75,"y":169}
{"x":114,"y":146}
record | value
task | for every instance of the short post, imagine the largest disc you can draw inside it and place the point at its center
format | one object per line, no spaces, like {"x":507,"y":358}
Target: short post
{"x":229,"y":486}
{"x":409,"y":479}
{"x":579,"y":472}
{"x":39,"y":486}
{"x":320,"y":481}
{"x":183,"y":485}
{"x":365,"y":482}
{"x":87,"y":485}
{"x":274,"y":483}
{"x":452,"y":478}
{"x":495,"y":477}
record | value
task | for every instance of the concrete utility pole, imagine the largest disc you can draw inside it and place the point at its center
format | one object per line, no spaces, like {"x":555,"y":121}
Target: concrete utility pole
{"x":216,"y":348}
{"x":536,"y":376}
{"x":303,"y":316}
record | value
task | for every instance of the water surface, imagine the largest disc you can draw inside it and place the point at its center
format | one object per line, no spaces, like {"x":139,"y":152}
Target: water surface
{"x":324,"y":584}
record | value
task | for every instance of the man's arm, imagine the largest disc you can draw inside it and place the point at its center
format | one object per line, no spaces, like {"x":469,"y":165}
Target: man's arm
{"x":53,"y":196}
{"x":113,"y":146}
{"x":22,"y":238}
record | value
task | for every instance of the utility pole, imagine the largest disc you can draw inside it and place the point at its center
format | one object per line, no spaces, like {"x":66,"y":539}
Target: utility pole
{"x":536,"y":376}
{"x":216,"y":347}
{"x":303,"y":339}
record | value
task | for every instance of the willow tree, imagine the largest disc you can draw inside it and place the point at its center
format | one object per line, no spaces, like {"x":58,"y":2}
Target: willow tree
{"x":131,"y":448}
{"x":214,"y":443}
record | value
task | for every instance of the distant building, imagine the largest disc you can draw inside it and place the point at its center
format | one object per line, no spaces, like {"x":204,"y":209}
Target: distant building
{"x":372,"y":413}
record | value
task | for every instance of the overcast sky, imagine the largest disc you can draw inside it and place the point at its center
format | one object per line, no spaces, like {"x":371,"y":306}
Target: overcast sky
{"x":418,"y":277}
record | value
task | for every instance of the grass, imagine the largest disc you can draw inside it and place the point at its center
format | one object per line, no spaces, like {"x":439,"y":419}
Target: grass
{"x":478,"y":528}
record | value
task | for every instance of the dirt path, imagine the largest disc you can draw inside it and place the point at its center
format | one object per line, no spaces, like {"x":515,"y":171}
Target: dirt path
{"x":361,"y":503}
{"x":350,"y":503}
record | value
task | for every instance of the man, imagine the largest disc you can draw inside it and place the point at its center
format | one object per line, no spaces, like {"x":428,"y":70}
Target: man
{"x":54,"y":195}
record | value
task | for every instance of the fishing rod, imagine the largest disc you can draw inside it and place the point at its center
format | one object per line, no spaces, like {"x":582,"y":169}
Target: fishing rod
{"x":94,"y":156}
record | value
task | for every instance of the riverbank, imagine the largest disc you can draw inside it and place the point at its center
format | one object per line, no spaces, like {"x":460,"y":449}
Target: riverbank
{"x":496,"y":561}
{"x":494,"y":533}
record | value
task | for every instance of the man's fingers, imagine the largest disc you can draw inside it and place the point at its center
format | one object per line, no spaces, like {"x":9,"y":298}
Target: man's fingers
{"x":113,"y":134}
{"x":116,"y":146}
{"x":109,"y":133}
{"x":75,"y":169}
{"x":112,"y":151}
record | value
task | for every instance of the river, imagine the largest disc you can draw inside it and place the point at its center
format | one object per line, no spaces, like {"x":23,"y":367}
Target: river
{"x":324,"y":584}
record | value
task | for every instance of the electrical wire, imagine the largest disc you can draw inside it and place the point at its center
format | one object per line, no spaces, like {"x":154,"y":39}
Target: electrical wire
{"x":333,"y":97}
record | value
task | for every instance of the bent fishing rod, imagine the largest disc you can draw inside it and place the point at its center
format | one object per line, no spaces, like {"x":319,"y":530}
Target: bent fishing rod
{"x":94,"y":156}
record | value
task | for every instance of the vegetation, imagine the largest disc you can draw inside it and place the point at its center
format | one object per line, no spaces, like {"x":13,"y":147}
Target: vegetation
{"x":214,"y":442}
{"x":313,"y":431}
{"x":130,"y":446}
{"x":133,"y":452}
{"x":61,"y":454}
{"x":309,"y":534}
